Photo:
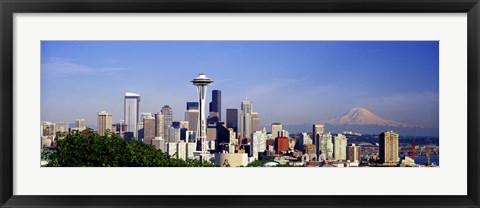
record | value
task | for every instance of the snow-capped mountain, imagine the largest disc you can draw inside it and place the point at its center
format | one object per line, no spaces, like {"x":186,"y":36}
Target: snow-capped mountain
{"x":361,"y":116}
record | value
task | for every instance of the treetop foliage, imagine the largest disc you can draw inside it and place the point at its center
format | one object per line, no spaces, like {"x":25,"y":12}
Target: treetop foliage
{"x":89,"y":149}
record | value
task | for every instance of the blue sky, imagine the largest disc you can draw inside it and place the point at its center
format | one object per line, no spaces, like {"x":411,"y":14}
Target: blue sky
{"x":291,"y":82}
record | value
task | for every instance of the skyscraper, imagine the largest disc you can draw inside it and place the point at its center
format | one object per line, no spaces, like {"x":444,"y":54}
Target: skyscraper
{"x":216,"y":104}
{"x":232,"y":119}
{"x":255,"y":122}
{"x":191,"y":115}
{"x":61,"y":127}
{"x":318,"y":130}
{"x":159,"y":125}
{"x":201,"y":82}
{"x":131,"y":112}
{"x":119,"y":128}
{"x":104,"y":122}
{"x":276,"y":128}
{"x":80,"y":124}
{"x":340,"y":147}
{"x":354,"y":153}
{"x":258,"y":144}
{"x":148,"y":130}
{"x":245,"y":118}
{"x":388,"y":147}
{"x":167,"y":120}
{"x":145,"y":115}
{"x":192,"y":105}
{"x":324,"y":145}
{"x":303,"y":140}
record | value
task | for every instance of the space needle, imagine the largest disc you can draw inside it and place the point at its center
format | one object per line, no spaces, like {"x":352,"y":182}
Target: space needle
{"x":202,"y":81}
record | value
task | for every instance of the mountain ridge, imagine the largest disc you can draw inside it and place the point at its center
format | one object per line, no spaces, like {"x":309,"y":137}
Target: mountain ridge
{"x":362,"y":116}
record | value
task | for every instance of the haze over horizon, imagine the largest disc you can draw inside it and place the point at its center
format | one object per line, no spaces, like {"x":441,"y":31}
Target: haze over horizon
{"x":291,"y":82}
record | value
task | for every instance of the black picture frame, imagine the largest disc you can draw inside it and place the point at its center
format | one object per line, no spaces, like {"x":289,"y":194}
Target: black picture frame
{"x":9,"y":7}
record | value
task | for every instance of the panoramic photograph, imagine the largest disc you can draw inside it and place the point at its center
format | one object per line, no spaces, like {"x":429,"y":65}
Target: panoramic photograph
{"x":337,"y":104}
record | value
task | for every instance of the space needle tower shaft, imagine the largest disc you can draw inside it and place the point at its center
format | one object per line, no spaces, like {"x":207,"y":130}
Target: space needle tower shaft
{"x":202,"y":81}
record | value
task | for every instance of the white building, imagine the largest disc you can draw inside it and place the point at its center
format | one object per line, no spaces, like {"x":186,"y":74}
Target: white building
{"x":211,"y":145}
{"x":171,"y":148}
{"x":174,"y":134}
{"x":318,"y":130}
{"x":284,"y":133}
{"x":159,"y":143}
{"x":340,"y":152}
{"x":61,"y":127}
{"x":145,"y":115}
{"x":233,"y":137}
{"x":245,"y":119}
{"x":324,"y":145}
{"x":131,"y":112}
{"x":190,"y":148}
{"x":80,"y":124}
{"x":48,"y":129}
{"x":276,"y":130}
{"x":181,"y":150}
{"x":159,"y":125}
{"x":303,"y":140}
{"x":259,"y":143}
{"x":104,"y":122}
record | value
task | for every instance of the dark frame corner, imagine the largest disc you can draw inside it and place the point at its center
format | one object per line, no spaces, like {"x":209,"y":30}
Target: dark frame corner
{"x":9,"y":7}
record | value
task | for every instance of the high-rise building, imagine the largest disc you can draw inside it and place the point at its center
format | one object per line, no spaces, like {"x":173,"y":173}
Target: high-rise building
{"x":340,"y":147}
{"x":174,"y":133}
{"x":48,"y":129}
{"x":212,"y":118}
{"x":191,"y":116}
{"x":145,"y":115}
{"x":159,"y":125}
{"x":201,"y":82}
{"x":324,"y":145}
{"x":303,"y":140}
{"x":388,"y":147}
{"x":80,"y":124}
{"x":131,"y":112}
{"x":192,"y":106}
{"x":245,"y":119}
{"x":232,"y":119}
{"x":281,"y":144}
{"x":61,"y":127}
{"x":104,"y":122}
{"x":140,"y":131}
{"x":284,"y":133}
{"x":216,"y":104}
{"x":119,"y":128}
{"x":276,"y":128}
{"x":255,"y":122}
{"x":148,"y":130}
{"x":184,"y":125}
{"x":354,"y":153}
{"x":159,"y":143}
{"x":258,"y":144}
{"x":167,"y":120}
{"x":318,"y":130}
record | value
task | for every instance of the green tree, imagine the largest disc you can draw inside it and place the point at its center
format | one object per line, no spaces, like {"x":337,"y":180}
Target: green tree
{"x":88,"y":149}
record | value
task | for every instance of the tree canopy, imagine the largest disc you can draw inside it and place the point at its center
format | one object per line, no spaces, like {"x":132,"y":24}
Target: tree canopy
{"x":89,"y":149}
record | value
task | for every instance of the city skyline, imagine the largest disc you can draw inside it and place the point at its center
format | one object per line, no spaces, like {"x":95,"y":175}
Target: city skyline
{"x":398,"y":80}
